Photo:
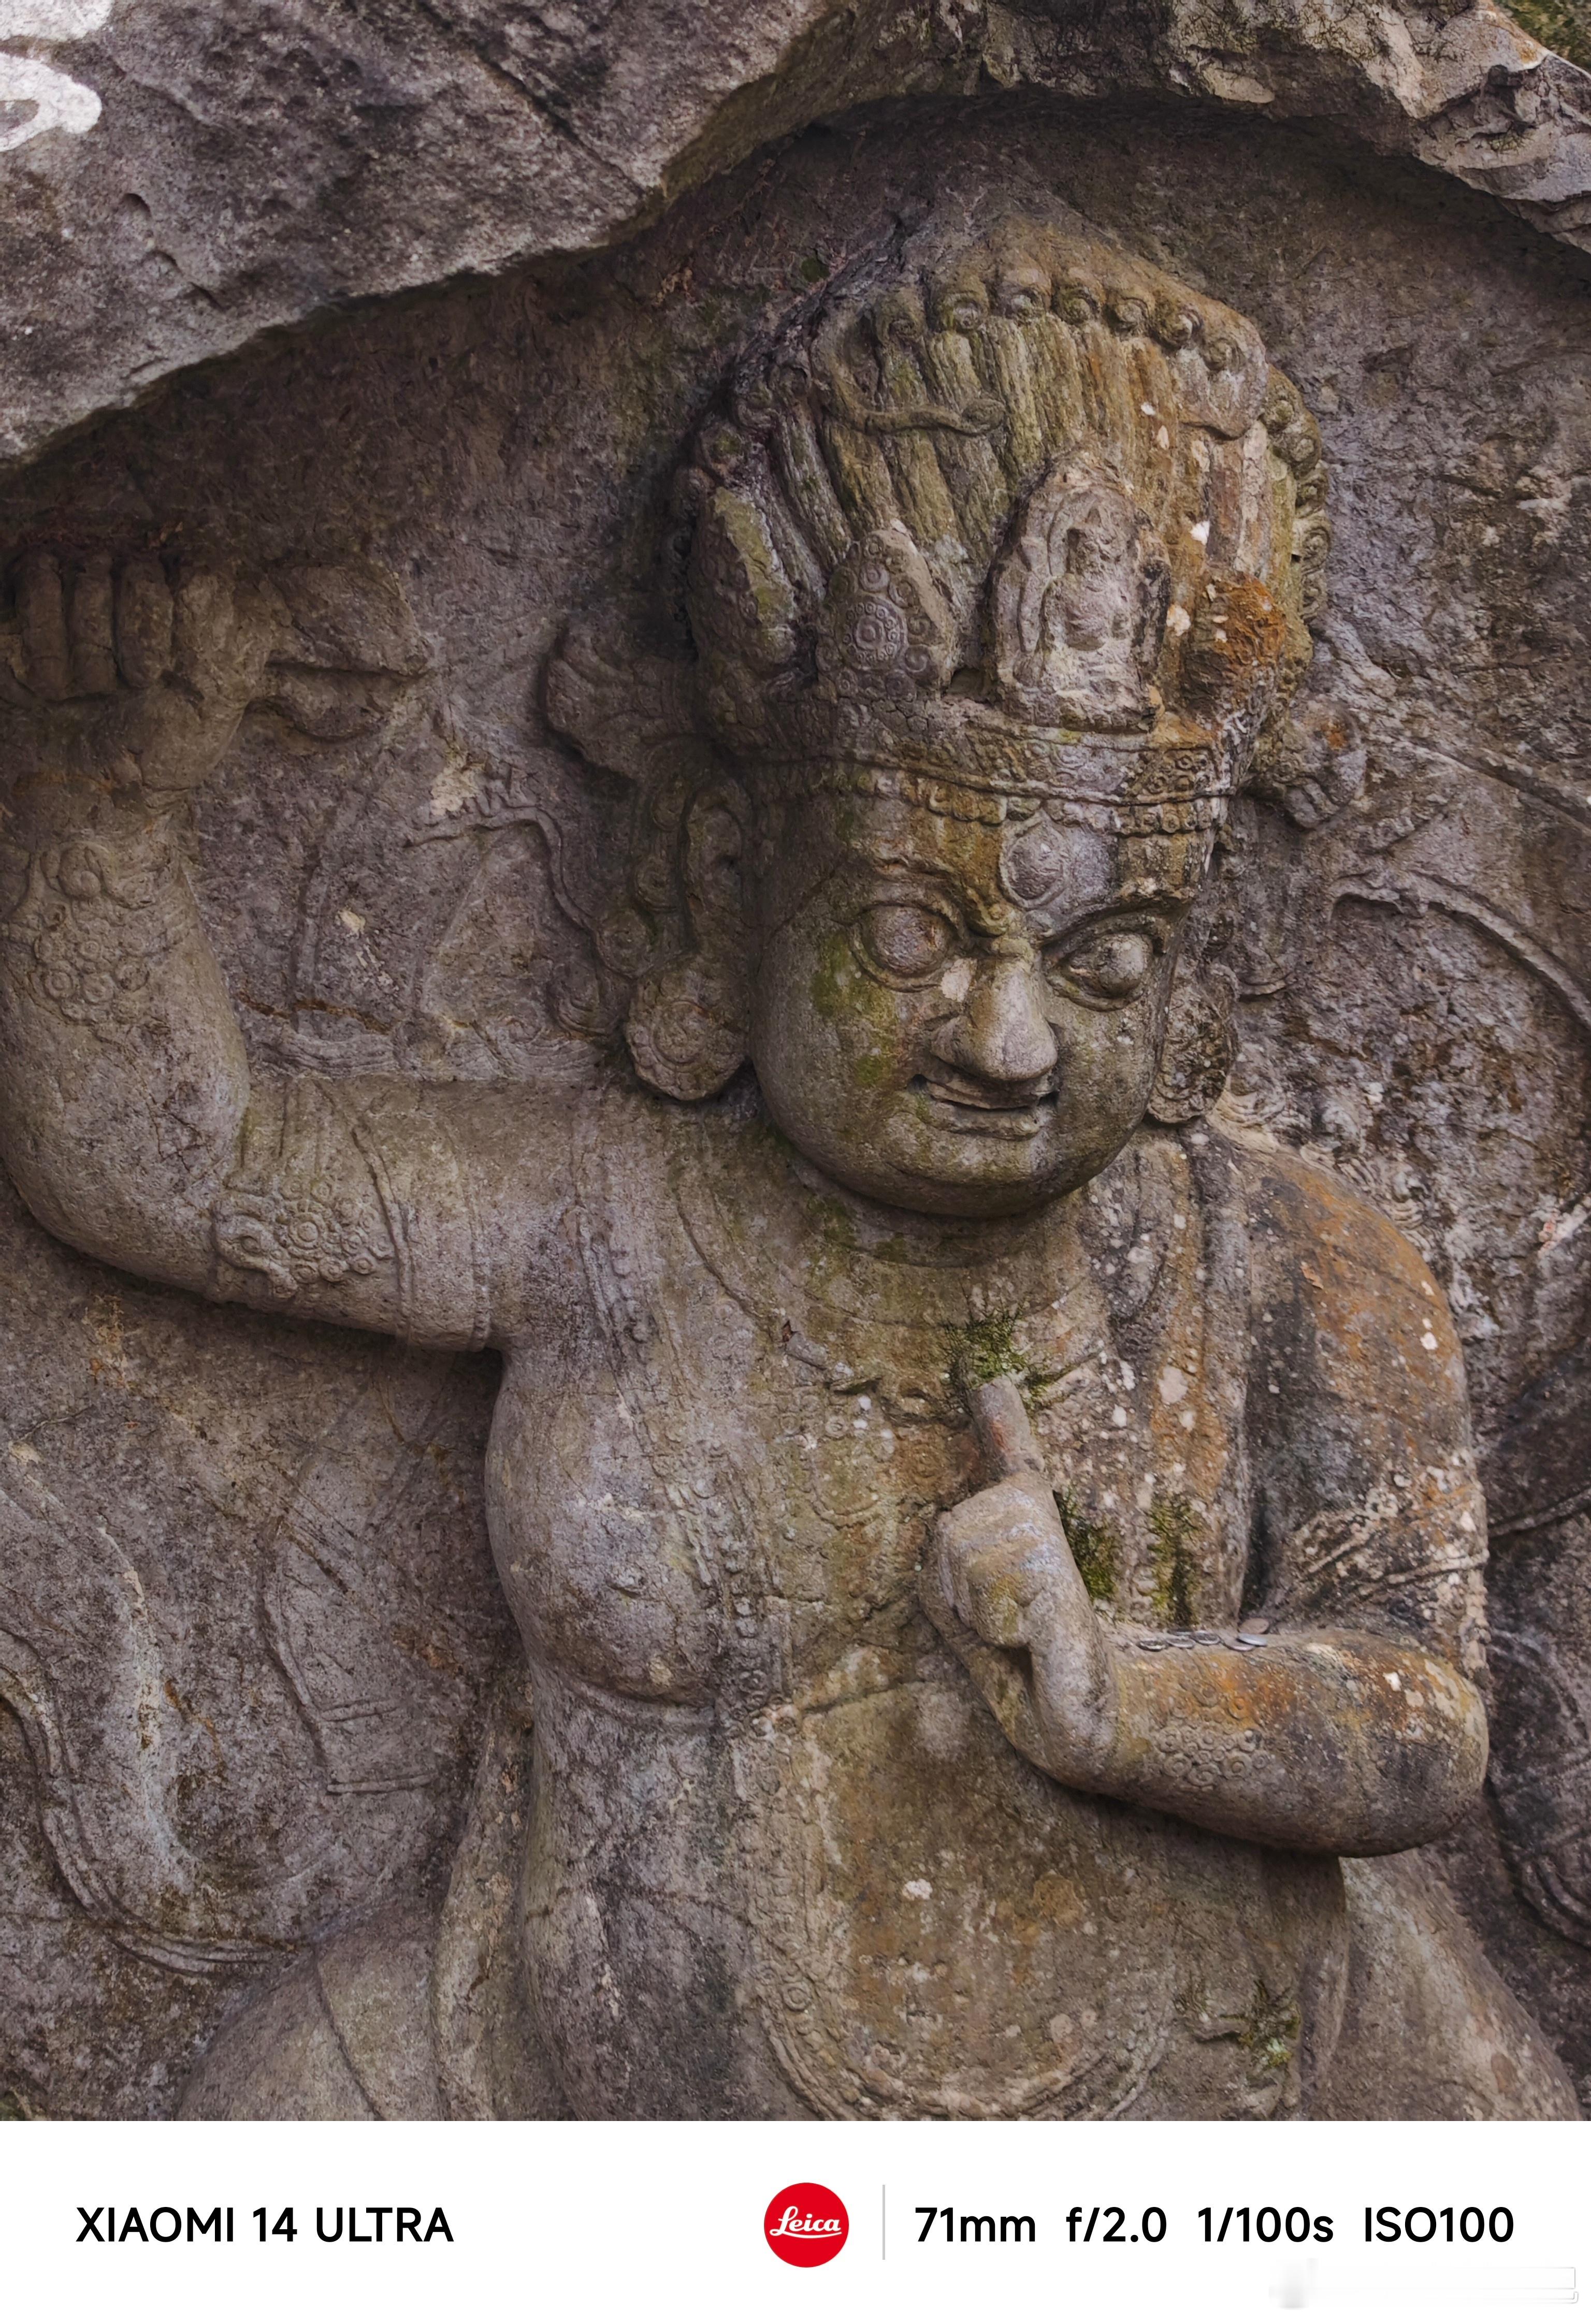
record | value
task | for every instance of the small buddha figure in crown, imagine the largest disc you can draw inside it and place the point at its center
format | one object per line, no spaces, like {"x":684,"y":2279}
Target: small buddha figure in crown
{"x":987,"y":1545}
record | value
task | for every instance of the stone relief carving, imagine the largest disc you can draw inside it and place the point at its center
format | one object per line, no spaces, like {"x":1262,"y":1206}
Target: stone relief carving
{"x":996,"y":567}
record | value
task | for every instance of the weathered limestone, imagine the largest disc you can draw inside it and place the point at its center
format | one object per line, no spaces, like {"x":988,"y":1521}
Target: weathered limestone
{"x":803,"y":829}
{"x":259,"y":164}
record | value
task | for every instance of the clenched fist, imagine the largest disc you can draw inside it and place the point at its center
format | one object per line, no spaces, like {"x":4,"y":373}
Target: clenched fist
{"x":1004,"y":1566}
{"x":126,"y":672}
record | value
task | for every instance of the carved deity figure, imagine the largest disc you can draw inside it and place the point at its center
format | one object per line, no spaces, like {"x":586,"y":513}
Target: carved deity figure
{"x":988,"y":1543}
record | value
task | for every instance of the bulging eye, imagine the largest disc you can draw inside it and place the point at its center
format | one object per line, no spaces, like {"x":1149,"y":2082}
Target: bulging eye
{"x":1114,"y":965}
{"x":907,"y":940}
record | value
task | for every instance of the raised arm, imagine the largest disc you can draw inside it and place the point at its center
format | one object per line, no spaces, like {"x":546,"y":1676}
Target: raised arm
{"x":128,"y":1116}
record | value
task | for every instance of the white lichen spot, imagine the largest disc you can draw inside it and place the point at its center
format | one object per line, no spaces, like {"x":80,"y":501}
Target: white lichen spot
{"x":1201,"y":533}
{"x":52,"y":20}
{"x":1179,"y":621}
{"x":1394,"y":1681}
{"x":957,"y":981}
{"x":453,"y":788}
{"x":52,"y":99}
{"x":1174,"y":1385}
{"x":1119,"y":1417}
{"x":920,"y":1891}
{"x":1427,"y":1339}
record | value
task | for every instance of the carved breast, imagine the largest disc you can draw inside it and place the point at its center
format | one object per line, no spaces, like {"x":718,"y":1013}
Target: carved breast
{"x":733,"y":1516}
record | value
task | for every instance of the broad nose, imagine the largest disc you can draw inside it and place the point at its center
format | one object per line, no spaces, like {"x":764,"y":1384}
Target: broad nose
{"x":1002,"y":1034}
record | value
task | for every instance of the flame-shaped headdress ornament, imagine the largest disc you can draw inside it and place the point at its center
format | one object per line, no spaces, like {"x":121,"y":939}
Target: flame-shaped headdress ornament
{"x":1019,"y":515}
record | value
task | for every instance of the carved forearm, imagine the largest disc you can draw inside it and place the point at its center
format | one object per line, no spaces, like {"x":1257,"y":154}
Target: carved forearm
{"x":1341,"y":1742}
{"x":125,"y":1076}
{"x":1328,"y":1740}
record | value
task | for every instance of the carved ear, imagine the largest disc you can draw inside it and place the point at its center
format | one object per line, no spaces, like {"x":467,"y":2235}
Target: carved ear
{"x":687,"y":1026}
{"x":1200,"y":1043}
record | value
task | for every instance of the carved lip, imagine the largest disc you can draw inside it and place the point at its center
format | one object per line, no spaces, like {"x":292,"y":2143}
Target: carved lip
{"x":956,"y":1107}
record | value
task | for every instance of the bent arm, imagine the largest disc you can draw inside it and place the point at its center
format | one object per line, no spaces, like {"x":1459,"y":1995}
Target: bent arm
{"x":1334,"y":1741}
{"x":130,"y":1123}
{"x":125,"y":1082}
{"x":1318,"y":1735}
{"x":128,"y":1115}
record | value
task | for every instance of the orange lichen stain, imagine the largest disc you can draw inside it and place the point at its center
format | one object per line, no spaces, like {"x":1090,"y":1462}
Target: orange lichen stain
{"x":1057,"y":1899}
{"x":186,"y":1711}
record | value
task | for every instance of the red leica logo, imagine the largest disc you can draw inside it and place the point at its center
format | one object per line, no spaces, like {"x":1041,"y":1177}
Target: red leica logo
{"x":806,"y":2224}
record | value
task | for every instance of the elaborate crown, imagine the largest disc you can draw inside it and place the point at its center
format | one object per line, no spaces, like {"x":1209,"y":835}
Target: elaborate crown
{"x":1017,"y":514}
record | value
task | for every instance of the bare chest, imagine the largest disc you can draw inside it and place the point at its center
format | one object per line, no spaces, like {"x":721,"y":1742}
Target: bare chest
{"x":734,"y":1504}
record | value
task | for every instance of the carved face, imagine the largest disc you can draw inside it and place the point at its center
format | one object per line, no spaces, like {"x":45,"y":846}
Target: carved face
{"x":963,"y":1017}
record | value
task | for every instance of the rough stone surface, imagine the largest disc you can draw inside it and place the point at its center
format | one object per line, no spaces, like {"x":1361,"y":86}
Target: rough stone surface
{"x":225,"y":171}
{"x":246,"y":1584}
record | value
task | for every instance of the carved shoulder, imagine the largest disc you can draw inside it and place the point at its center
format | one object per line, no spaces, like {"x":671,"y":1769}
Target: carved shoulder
{"x":1340,"y":1294}
{"x":1368,"y":1504}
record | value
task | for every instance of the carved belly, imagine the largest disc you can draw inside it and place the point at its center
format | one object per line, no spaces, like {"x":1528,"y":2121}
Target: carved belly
{"x":944,"y":1932}
{"x":879,"y":1910}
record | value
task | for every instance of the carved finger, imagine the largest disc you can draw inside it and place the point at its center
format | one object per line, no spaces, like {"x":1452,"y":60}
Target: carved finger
{"x":14,"y":688}
{"x":143,"y":623}
{"x":259,"y":619}
{"x":42,"y":609}
{"x":90,"y":626}
{"x":1018,"y":1504}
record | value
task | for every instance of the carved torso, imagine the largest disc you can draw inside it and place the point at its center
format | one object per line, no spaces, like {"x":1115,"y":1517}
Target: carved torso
{"x":782,"y":1858}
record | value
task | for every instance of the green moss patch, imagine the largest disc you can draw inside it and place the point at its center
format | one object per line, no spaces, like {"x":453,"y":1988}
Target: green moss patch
{"x":985,"y":1350}
{"x":1096,"y":1551}
{"x":1174,"y":1529}
{"x":1564,"y":25}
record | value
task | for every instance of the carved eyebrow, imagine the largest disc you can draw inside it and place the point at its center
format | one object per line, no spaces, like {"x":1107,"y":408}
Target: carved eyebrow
{"x":981,"y":904}
{"x":1084,"y":920}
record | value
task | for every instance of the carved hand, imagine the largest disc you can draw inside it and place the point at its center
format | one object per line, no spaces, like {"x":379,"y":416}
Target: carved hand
{"x":116,"y":673}
{"x":1004,"y":1588}
{"x":1356,"y":1745}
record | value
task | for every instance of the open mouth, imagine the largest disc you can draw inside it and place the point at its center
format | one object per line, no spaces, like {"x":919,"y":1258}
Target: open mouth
{"x":954,"y":1104}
